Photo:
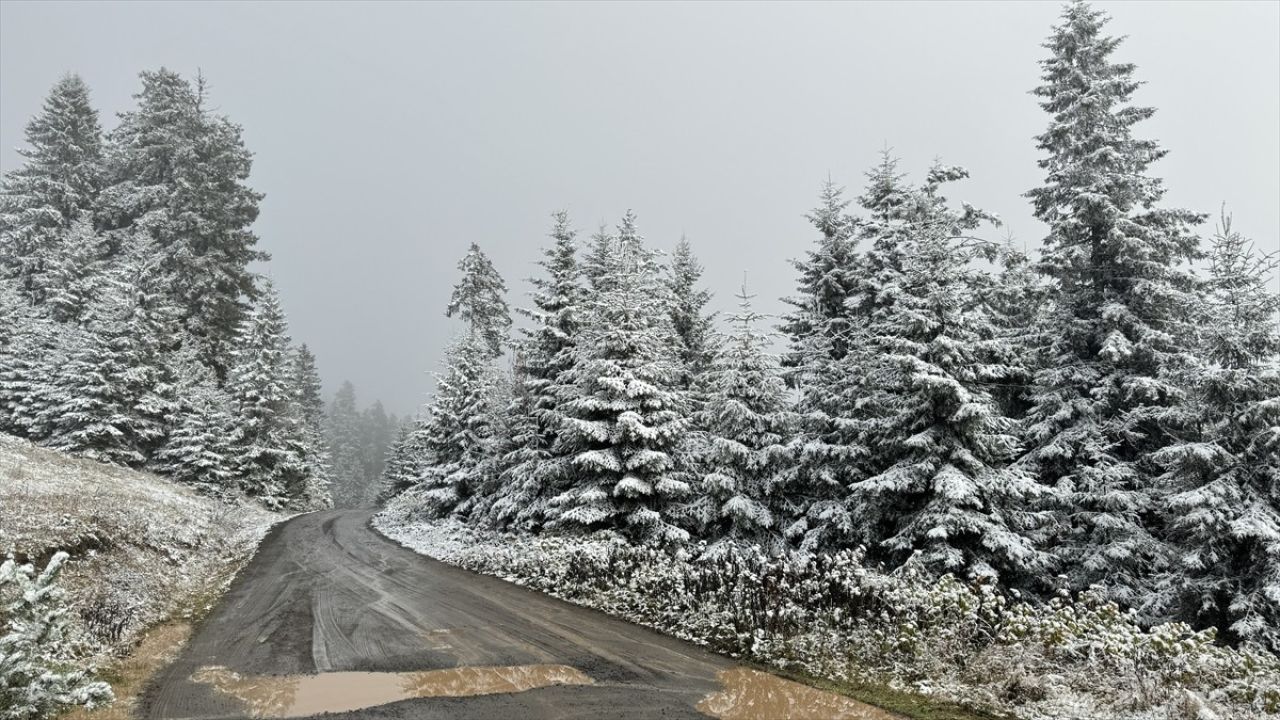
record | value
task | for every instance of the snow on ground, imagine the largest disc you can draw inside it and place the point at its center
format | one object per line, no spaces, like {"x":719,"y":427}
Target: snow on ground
{"x":834,"y":617}
{"x":142,"y":547}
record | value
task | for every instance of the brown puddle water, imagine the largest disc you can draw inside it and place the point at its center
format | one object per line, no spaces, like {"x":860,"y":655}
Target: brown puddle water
{"x":751,"y":694}
{"x":287,"y":696}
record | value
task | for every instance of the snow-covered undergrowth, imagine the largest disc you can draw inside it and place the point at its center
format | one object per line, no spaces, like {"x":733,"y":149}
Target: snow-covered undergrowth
{"x":141,"y":547}
{"x":834,"y":617}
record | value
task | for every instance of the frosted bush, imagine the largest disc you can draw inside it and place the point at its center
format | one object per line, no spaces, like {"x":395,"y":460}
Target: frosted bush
{"x":40,"y":671}
{"x":834,"y":616}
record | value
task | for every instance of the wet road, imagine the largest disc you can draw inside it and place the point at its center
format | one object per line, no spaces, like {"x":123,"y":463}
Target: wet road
{"x":327,"y":594}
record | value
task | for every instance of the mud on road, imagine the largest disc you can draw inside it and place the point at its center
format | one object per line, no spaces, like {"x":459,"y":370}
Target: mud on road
{"x":327,"y":594}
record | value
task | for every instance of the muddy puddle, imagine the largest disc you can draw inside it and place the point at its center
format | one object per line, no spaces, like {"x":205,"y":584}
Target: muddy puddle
{"x":750,"y":694}
{"x":287,"y":696}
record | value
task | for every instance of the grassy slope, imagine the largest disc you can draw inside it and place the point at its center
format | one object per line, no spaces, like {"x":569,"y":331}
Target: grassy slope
{"x":145,"y":550}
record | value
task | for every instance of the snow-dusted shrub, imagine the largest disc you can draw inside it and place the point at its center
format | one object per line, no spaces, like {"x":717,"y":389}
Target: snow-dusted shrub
{"x":835,"y":616}
{"x":1091,"y":631}
{"x":39,"y":672}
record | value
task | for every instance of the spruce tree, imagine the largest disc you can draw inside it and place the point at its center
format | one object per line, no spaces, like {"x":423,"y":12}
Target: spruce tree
{"x":268,"y":440}
{"x":459,"y":431}
{"x":597,"y":259}
{"x":40,"y":676}
{"x":346,"y":447}
{"x":941,"y":484}
{"x":746,"y":424}
{"x":309,"y":405}
{"x":827,"y":357}
{"x":1015,"y":300}
{"x":828,"y":277}
{"x":177,"y":171}
{"x":111,"y":399}
{"x":73,"y":277}
{"x":626,"y":416}
{"x":198,"y":450}
{"x":33,"y":349}
{"x":546,"y":354}
{"x":1222,"y":485}
{"x":376,"y":437}
{"x":402,"y":468}
{"x":478,"y":300}
{"x":57,"y":183}
{"x":1119,"y":320}
{"x":693,"y":325}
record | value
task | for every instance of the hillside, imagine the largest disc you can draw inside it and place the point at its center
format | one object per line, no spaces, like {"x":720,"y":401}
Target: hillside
{"x":143,"y":549}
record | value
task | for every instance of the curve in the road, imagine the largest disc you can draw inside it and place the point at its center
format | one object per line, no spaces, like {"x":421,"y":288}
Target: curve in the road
{"x":327,"y":594}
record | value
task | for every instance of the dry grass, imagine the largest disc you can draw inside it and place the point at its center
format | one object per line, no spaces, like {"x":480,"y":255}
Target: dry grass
{"x":129,"y":675}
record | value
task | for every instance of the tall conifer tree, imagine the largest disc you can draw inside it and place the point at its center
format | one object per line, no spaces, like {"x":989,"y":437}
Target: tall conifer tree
{"x":1123,"y":291}
{"x":57,"y":183}
{"x":1222,"y":485}
{"x":747,"y":426}
{"x":478,"y":299}
{"x":627,"y":415}
{"x":269,"y":442}
{"x":177,"y":172}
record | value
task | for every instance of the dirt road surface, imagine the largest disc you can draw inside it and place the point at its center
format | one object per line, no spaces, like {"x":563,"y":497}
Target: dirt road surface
{"x":326,"y":593}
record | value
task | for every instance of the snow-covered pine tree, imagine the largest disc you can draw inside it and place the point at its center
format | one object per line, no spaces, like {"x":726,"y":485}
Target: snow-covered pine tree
{"x":198,"y":450}
{"x":111,"y":400}
{"x":73,"y":276}
{"x":487,"y":480}
{"x":403,"y":466}
{"x":545,"y":354}
{"x":478,"y":300}
{"x":309,"y":404}
{"x":626,"y":415}
{"x":693,"y":324}
{"x":843,"y":289}
{"x":598,"y":259}
{"x":376,"y":435}
{"x":746,"y":424}
{"x":346,"y":448}
{"x":177,"y":171}
{"x":459,"y":431}
{"x":58,"y":182}
{"x":1015,"y":300}
{"x":941,"y":484}
{"x":1222,"y":502}
{"x":828,"y":277}
{"x":40,"y":673}
{"x":32,"y":349}
{"x":270,"y":462}
{"x":1123,"y":292}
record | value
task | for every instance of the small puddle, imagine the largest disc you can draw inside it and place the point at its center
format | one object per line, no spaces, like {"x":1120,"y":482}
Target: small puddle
{"x":288,"y":696}
{"x":751,"y":694}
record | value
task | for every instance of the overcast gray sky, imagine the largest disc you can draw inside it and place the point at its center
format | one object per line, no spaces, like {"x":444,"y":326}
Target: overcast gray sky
{"x":389,"y":136}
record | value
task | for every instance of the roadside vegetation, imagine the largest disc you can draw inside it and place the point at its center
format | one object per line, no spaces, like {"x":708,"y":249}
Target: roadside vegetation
{"x":925,"y":646}
{"x":1038,"y":482}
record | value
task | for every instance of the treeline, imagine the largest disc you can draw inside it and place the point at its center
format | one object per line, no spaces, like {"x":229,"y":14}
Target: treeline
{"x":132,"y":330}
{"x":358,"y":441}
{"x":1105,"y":414}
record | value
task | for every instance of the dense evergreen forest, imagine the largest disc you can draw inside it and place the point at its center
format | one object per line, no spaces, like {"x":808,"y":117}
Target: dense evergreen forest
{"x":133,"y":329}
{"x":1105,"y":412}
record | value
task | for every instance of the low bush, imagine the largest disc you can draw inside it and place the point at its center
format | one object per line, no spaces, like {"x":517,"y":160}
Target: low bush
{"x":834,"y":616}
{"x":41,"y":668}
